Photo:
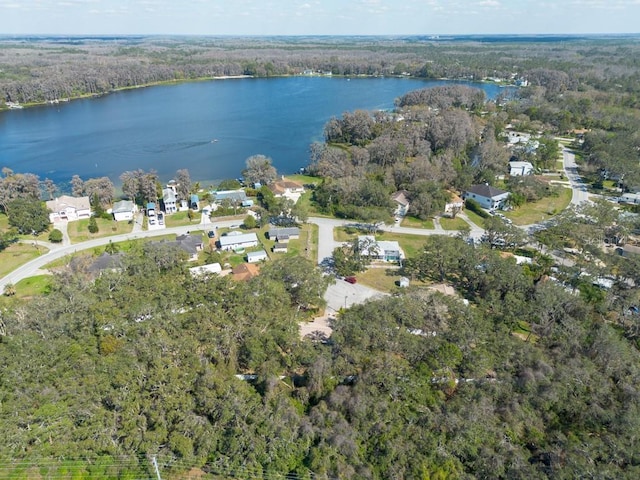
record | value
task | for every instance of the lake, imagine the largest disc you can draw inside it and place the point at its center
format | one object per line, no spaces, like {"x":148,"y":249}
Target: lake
{"x":209,"y":127}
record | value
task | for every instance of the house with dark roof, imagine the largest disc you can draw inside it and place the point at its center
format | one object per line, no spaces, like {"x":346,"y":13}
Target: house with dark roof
{"x":106,"y":262}
{"x":401,"y":199}
{"x":284,"y":234}
{"x":487,"y":196}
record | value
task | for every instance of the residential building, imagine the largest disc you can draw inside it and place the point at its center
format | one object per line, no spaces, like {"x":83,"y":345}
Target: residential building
{"x":245,"y":271}
{"x":234,"y":242}
{"x":520,"y":168}
{"x":383,"y":250}
{"x":284,"y":234}
{"x":234,"y":196}
{"x":255,"y":257}
{"x":287,"y":189}
{"x":401,"y":198}
{"x":210,"y":268}
{"x":280,"y":248}
{"x":487,"y":196}
{"x":123,"y":210}
{"x":169,"y":200}
{"x":151,"y":209}
{"x":455,"y":203}
{"x":66,"y":208}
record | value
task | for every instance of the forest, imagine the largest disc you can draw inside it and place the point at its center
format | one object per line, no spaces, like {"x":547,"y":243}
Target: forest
{"x":528,"y":371}
{"x":416,"y":385}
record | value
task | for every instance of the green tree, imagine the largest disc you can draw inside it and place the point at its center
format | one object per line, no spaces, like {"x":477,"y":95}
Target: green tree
{"x":249,"y":222}
{"x":93,"y":225}
{"x":55,"y":236}
{"x":28,"y":216}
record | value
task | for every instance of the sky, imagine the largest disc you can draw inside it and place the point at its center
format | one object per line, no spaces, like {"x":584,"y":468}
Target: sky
{"x":318,"y":17}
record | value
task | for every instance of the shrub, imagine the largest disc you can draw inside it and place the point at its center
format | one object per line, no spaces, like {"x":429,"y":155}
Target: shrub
{"x":471,"y":204}
{"x":55,"y":236}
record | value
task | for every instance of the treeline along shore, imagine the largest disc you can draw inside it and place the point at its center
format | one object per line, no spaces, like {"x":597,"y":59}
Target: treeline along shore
{"x":41,"y":70}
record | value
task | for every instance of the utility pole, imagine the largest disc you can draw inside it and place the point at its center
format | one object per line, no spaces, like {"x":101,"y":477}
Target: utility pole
{"x":155,"y":466}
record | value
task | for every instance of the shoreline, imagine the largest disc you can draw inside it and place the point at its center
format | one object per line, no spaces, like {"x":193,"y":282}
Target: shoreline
{"x":22,"y":106}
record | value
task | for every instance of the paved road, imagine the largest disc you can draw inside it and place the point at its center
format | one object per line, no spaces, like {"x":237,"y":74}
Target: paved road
{"x":579,"y":189}
{"x":326,"y":242}
{"x":60,"y":250}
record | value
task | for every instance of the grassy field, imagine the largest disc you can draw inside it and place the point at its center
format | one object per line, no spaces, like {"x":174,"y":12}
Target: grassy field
{"x":18,"y":254}
{"x":413,"y":222}
{"x":79,"y":231}
{"x":304,"y":179}
{"x":453,"y":223}
{"x":475,"y":218}
{"x":382,"y":279}
{"x":541,"y":210}
{"x":410,"y":244}
{"x":180,"y":219}
{"x":32,"y":286}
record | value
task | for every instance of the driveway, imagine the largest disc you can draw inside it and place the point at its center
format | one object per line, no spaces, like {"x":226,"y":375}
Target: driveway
{"x":578,"y":188}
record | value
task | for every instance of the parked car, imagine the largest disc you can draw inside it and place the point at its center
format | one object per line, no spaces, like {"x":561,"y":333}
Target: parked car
{"x":211,"y":234}
{"x":350,"y":279}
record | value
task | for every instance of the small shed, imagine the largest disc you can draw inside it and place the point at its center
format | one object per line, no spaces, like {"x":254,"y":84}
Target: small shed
{"x":255,"y":257}
{"x":280,"y":248}
{"x":404,"y":282}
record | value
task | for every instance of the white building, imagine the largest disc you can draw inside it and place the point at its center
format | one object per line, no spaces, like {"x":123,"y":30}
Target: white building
{"x":169,"y":200}
{"x":520,"y":168}
{"x":68,"y":208}
{"x":255,"y":257}
{"x":234,"y":242}
{"x":384,"y":250}
{"x":487,"y":196}
{"x":123,"y":210}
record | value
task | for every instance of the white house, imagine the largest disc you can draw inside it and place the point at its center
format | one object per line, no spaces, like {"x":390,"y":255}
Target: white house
{"x":402,"y":203}
{"x":487,"y":196}
{"x":169,"y":200}
{"x":520,"y":168}
{"x":69,"y":208}
{"x":287,"y":188}
{"x":233,"y":242}
{"x":123,"y":210}
{"x":255,"y":257}
{"x":384,"y":250}
{"x":455,"y":203}
{"x":214,"y":268}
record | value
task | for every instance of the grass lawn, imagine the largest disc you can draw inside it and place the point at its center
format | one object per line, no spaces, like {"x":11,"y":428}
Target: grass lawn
{"x":180,"y":219}
{"x":18,"y":254}
{"x":410,"y":244}
{"x":413,"y":222}
{"x":305,"y":179}
{"x":382,"y":279}
{"x":453,"y":223}
{"x":542,"y":209}
{"x":475,"y":218}
{"x":32,"y":286}
{"x":79,"y":231}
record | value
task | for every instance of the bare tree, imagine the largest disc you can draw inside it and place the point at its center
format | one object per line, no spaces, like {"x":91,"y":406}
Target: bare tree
{"x":77,"y":186}
{"x":183,"y":181}
{"x":259,"y":170}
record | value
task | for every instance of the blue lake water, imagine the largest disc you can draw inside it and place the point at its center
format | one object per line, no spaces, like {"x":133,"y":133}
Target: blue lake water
{"x":209,"y":128}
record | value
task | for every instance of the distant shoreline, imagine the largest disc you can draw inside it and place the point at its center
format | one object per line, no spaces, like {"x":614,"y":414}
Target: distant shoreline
{"x":224,"y":77}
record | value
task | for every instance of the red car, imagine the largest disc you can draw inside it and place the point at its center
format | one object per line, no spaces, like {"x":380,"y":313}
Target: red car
{"x":350,"y":279}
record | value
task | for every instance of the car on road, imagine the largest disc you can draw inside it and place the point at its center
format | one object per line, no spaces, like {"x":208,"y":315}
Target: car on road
{"x":350,"y":279}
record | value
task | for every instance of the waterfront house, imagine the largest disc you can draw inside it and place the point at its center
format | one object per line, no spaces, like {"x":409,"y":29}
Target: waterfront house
{"x":235,"y":242}
{"x":66,"y":208}
{"x":169,"y":200}
{"x":123,"y":210}
{"x":487,"y":196}
{"x":194,"y":202}
{"x":287,"y":189}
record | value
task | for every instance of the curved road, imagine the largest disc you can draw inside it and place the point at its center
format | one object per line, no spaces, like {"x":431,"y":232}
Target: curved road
{"x":55,"y":252}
